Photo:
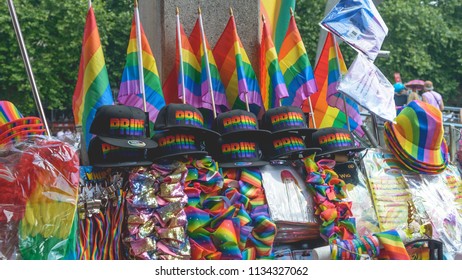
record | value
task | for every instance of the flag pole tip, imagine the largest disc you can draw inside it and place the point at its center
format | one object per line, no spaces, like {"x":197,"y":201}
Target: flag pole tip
{"x":177,"y":10}
{"x":231,"y":11}
{"x":136,"y":3}
{"x":263,"y":17}
{"x":199,"y":10}
{"x":291,"y":11}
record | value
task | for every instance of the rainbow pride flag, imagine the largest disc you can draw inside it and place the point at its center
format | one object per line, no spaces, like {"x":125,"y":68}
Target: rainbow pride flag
{"x":272,"y":84}
{"x":190,"y":78}
{"x":327,"y":75}
{"x":219,"y":93}
{"x":130,"y":92}
{"x":93,"y":89}
{"x":236,"y":71}
{"x":277,"y":13}
{"x":296,"y":67}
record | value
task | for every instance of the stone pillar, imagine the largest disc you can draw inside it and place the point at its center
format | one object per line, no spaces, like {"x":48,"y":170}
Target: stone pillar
{"x":159,"y":22}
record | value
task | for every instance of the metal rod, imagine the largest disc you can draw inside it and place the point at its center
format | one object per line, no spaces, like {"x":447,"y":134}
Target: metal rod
{"x":311,"y":112}
{"x":340,"y":77}
{"x":209,"y":76}
{"x":27,"y":64}
{"x":247,"y":101}
{"x":139,"y":48}
{"x":376,"y":128}
{"x":183,"y":90}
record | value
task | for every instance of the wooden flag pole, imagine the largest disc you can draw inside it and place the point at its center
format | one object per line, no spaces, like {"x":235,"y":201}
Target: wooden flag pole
{"x":139,"y":48}
{"x":340,"y":73}
{"x":25,"y":57}
{"x":183,"y":90}
{"x":209,"y":76}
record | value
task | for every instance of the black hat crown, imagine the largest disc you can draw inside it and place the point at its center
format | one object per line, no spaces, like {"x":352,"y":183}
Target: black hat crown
{"x":285,"y":119}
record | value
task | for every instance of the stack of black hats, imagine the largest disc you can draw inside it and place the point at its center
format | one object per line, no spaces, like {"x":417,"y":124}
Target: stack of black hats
{"x":240,"y":141}
{"x":179,"y":130}
{"x":289,"y":128}
{"x":122,"y":137}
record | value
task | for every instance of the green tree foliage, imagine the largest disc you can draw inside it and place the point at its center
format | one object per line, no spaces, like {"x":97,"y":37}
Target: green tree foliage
{"x":53,"y":32}
{"x":424,"y":40}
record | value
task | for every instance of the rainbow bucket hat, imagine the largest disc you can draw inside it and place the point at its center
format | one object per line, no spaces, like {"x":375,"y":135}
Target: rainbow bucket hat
{"x":416,"y":138}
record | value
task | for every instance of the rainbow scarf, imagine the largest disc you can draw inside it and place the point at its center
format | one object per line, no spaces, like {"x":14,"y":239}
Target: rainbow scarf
{"x":296,"y":67}
{"x":219,"y":93}
{"x":129,"y":93}
{"x":92,"y":89}
{"x":236,"y":71}
{"x":277,"y":13}
{"x":327,"y":75}
{"x":393,"y":247}
{"x":272,"y":84}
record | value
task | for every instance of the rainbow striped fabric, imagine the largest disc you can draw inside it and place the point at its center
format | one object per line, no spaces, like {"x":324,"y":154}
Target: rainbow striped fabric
{"x":8,"y":112}
{"x":93,"y":89}
{"x":236,"y":71}
{"x":393,"y":247}
{"x":296,"y":67}
{"x":327,"y":75}
{"x":277,"y":13}
{"x":272,"y":84}
{"x":130,"y":93}
{"x":219,"y":93}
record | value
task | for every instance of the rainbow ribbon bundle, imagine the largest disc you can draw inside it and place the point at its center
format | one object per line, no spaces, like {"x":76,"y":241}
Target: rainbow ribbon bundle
{"x":227,"y":217}
{"x":156,"y":219}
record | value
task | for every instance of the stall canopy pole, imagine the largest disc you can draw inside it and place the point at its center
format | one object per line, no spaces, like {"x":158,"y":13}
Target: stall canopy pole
{"x":25,"y":57}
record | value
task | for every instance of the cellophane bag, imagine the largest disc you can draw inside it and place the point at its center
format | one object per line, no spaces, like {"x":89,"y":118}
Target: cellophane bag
{"x":39,"y":180}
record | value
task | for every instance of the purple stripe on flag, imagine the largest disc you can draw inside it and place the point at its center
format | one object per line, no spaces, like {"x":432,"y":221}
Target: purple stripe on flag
{"x":127,"y":88}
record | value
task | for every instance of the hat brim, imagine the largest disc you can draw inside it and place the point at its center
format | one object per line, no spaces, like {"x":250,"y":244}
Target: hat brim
{"x":293,"y":155}
{"x":352,"y":150}
{"x":142,"y":143}
{"x":195,"y":154}
{"x":242,"y":164}
{"x":20,"y":128}
{"x":247,"y":133}
{"x":301,"y":131}
{"x":123,"y":164}
{"x":22,"y":135}
{"x":433,"y":157}
{"x":19,"y":122}
{"x":196,"y":130}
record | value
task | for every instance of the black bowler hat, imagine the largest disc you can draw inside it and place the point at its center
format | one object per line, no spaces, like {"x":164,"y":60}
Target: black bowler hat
{"x":286,"y":119}
{"x":182,"y":116}
{"x":239,"y":151}
{"x":334,"y":140}
{"x":287,"y":146}
{"x":238,"y":122}
{"x":103,"y":154}
{"x":122,"y":126}
{"x":176,"y":143}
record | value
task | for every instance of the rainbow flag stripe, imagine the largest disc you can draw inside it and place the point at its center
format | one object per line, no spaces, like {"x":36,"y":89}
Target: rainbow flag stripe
{"x":296,"y":67}
{"x":219,"y":93}
{"x":393,"y":247}
{"x":129,"y":92}
{"x":236,"y":70}
{"x":92,"y":89}
{"x":8,"y":112}
{"x":272,"y":84}
{"x":277,"y":13}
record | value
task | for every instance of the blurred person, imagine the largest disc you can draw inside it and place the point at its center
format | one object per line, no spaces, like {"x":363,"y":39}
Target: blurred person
{"x":414,"y":95}
{"x":432,"y":97}
{"x":400,"y":95}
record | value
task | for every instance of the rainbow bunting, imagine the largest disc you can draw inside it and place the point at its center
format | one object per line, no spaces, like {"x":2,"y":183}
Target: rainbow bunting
{"x":277,"y":13}
{"x":272,"y":84}
{"x":92,"y":89}
{"x":219,"y":93}
{"x":327,"y":75}
{"x":296,"y":67}
{"x":190,"y":78}
{"x":236,"y":71}
{"x":130,"y":93}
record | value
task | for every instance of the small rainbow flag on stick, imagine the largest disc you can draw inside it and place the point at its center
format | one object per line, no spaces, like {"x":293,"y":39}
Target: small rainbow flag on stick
{"x":296,"y":67}
{"x":130,"y":92}
{"x":237,"y":74}
{"x":210,"y":77}
{"x":272,"y":84}
{"x":93,"y":89}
